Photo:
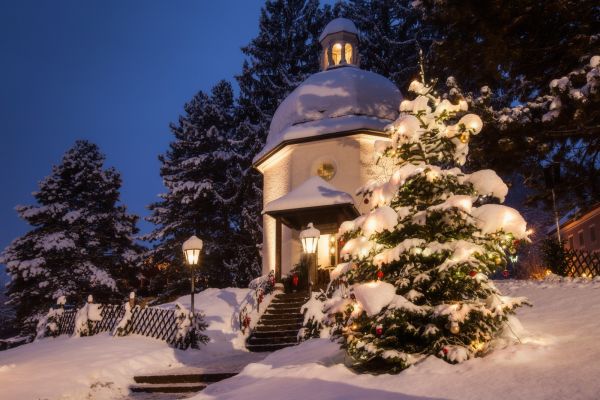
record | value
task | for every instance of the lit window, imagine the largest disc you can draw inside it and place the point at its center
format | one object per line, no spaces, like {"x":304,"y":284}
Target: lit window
{"x":348,"y":51}
{"x":581,"y":243}
{"x":593,"y":233}
{"x":336,"y":53}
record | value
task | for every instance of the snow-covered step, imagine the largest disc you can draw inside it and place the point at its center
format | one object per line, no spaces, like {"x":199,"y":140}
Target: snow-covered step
{"x":176,"y":383}
{"x":166,"y":387}
{"x":269,"y":347}
{"x":275,"y":333}
{"x":183,"y":378}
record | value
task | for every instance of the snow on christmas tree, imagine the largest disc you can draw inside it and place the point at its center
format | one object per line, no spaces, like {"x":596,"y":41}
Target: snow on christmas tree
{"x":416,"y":278}
{"x":81,"y":241}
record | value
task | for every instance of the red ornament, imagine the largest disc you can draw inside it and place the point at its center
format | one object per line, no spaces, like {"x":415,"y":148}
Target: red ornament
{"x":247,"y":321}
{"x":295,"y":280}
{"x":505,"y":273}
{"x":379,"y":274}
{"x":271,"y":280}
{"x":379,"y":330}
{"x":445,"y":350}
{"x":473,"y":273}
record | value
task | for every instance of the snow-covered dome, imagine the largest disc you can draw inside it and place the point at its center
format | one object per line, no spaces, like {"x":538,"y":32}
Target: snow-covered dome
{"x":338,"y":25}
{"x":341,"y":98}
{"x":324,"y":98}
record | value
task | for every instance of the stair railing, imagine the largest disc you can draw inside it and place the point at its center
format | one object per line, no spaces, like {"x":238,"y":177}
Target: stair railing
{"x":262,"y":286}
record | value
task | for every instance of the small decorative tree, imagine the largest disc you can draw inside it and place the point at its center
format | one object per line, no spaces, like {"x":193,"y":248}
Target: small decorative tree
{"x":554,"y":256}
{"x":416,"y":278}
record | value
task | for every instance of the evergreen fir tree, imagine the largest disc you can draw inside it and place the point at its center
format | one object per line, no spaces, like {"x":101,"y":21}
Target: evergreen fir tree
{"x":391,"y":37}
{"x":534,"y":84}
{"x":200,"y":171}
{"x":283,"y":54}
{"x":418,"y":263}
{"x":81,"y":243}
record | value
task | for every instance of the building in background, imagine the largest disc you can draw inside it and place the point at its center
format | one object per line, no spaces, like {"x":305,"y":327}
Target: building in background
{"x":579,"y":230}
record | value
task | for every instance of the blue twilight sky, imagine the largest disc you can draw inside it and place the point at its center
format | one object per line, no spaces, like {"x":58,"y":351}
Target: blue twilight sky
{"x":114,"y":72}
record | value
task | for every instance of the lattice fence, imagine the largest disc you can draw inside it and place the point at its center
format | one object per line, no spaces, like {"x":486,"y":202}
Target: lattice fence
{"x":66,"y":323}
{"x":152,"y":322}
{"x":580,"y":263}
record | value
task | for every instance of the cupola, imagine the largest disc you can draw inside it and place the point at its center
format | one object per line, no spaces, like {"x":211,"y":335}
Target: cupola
{"x":339,"y":41}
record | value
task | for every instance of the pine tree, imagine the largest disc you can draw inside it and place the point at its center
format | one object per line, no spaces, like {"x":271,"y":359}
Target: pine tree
{"x":200,"y":171}
{"x":283,"y":54}
{"x":391,"y":37}
{"x":81,"y":241}
{"x":418,"y":263}
{"x":533,"y":71}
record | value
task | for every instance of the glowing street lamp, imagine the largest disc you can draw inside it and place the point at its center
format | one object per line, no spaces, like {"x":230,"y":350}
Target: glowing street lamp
{"x":310,"y":238}
{"x":191,"y":251}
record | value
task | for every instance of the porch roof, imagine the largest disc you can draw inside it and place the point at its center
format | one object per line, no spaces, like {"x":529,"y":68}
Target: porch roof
{"x":313,"y":201}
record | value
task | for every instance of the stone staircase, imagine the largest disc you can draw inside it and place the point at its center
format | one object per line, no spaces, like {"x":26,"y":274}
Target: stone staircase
{"x":176,"y":383}
{"x":279,"y":325}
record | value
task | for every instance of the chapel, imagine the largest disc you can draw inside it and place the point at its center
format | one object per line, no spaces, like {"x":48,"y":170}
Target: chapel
{"x":319,"y":151}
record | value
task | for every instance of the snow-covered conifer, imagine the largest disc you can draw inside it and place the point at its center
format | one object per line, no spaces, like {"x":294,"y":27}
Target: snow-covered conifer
{"x":415,"y":281}
{"x":391,"y":37}
{"x":200,"y":171}
{"x":81,"y":241}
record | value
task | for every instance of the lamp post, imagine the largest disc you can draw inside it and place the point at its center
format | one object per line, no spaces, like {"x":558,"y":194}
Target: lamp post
{"x":310,"y":238}
{"x":191,"y":251}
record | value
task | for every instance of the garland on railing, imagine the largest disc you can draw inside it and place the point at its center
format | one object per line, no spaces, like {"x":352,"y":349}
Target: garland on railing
{"x":262,"y":286}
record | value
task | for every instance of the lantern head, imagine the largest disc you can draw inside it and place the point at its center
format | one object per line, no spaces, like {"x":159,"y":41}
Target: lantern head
{"x":191,"y":250}
{"x":309,"y":238}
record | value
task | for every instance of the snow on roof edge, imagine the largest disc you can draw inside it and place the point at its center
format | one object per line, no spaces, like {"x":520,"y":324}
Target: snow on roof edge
{"x":314,"y":192}
{"x":312,"y":129}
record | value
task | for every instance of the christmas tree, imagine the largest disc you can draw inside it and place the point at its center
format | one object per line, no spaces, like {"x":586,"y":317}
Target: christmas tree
{"x":81,"y":243}
{"x":416,"y":278}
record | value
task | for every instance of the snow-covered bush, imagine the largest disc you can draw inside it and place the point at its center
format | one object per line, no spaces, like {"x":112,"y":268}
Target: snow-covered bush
{"x":190,"y":327}
{"x":49,"y":325}
{"x":85,"y":318}
{"x":121,"y":327}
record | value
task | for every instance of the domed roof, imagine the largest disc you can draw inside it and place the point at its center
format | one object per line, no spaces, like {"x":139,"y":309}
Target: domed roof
{"x":338,"y":25}
{"x":335,"y":100}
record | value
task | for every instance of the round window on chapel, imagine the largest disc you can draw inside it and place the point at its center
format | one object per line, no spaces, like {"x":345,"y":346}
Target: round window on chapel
{"x":326,"y":170}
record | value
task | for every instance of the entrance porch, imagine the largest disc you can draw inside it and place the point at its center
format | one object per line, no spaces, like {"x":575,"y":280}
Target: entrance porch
{"x":314,"y":201}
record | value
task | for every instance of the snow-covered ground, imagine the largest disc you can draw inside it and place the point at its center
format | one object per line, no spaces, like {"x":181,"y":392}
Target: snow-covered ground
{"x":559,"y":358}
{"x":102,"y":366}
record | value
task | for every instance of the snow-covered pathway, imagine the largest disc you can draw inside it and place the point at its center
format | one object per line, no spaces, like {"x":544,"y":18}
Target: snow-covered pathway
{"x":558,"y":359}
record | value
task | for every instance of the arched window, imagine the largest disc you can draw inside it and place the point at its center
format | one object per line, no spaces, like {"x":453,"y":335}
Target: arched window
{"x":336,"y":53}
{"x":348,"y":51}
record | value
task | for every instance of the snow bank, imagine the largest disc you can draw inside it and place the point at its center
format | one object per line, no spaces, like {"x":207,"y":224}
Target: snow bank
{"x":558,"y":359}
{"x":98,"y":367}
{"x":103,"y":366}
{"x":221,"y":308}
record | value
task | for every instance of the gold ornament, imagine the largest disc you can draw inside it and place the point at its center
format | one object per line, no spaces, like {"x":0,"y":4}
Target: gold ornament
{"x":454,"y":328}
{"x":464,"y":137}
{"x":498,"y":260}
